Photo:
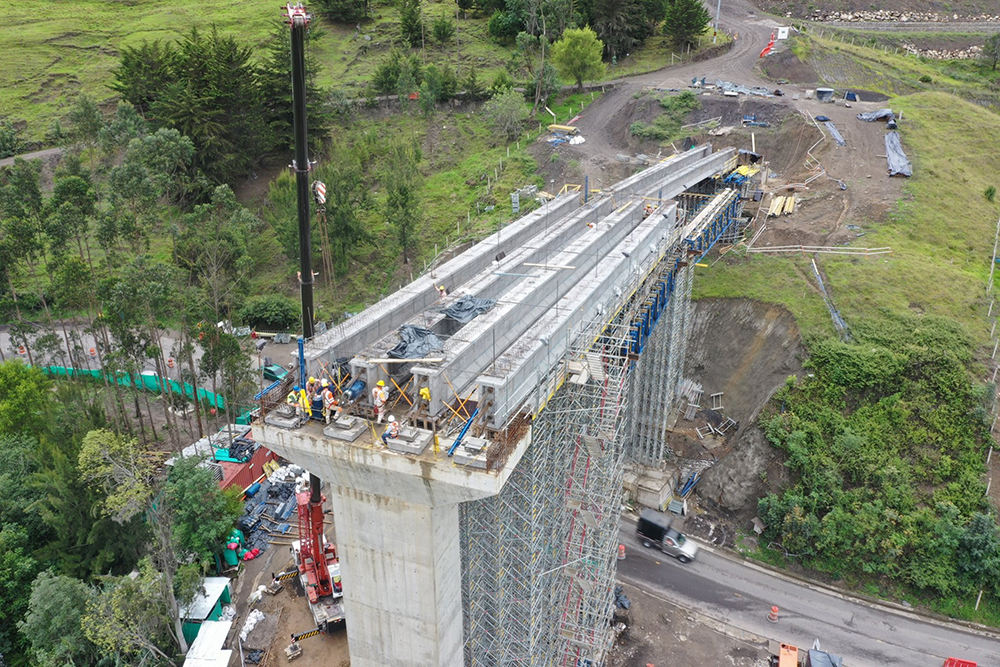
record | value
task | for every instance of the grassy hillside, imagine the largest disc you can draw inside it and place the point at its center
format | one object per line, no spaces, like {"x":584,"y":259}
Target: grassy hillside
{"x":887,"y":68}
{"x":887,"y":435}
{"x":941,"y":233}
{"x":51,"y":52}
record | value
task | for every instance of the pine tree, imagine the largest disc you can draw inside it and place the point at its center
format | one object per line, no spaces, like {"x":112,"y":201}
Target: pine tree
{"x":685,"y":21}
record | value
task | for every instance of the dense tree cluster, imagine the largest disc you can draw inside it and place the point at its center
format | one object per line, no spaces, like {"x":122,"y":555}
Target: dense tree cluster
{"x":621,"y":25}
{"x":83,"y":251}
{"x":210,"y":88}
{"x":887,"y":444}
{"x":77,"y":515}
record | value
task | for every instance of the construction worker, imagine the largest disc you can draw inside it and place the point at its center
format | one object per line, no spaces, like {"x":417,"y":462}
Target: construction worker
{"x":312,"y":388}
{"x":379,"y":397}
{"x":391,"y":430}
{"x":305,"y":404}
{"x":293,"y":400}
{"x":442,"y":291}
{"x":330,"y":403}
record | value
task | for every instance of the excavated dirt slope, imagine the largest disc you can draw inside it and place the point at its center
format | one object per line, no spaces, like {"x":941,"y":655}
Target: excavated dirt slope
{"x":745,"y":349}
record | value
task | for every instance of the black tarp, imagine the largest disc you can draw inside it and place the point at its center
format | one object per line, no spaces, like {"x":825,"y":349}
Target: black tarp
{"x":894,"y":155}
{"x":415,"y":343}
{"x":881,"y":114}
{"x":754,"y":158}
{"x":466,"y":308}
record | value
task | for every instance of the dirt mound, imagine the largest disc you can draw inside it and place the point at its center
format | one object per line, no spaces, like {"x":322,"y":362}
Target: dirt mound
{"x":784,"y":144}
{"x":750,"y":471}
{"x":786,"y":65}
{"x":733,"y":109}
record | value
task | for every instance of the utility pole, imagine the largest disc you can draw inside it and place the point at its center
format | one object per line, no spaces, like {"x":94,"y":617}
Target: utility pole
{"x":299,"y":20}
{"x":718,"y":15}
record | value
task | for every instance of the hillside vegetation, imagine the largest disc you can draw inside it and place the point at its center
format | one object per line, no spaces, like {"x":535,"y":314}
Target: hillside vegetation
{"x":853,"y":59}
{"x":52,"y":52}
{"x":888,"y":435}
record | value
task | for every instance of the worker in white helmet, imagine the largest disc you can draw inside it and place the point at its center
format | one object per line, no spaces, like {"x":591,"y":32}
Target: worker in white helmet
{"x":391,"y":430}
{"x":379,"y":397}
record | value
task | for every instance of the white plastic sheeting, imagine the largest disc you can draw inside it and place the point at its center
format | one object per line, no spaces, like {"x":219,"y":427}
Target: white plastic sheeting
{"x":894,"y":155}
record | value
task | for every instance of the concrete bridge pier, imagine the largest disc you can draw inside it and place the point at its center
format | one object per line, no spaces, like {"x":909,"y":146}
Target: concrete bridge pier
{"x":397,"y":521}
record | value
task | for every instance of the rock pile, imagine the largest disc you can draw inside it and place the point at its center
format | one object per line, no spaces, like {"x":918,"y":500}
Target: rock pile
{"x":970,"y":53}
{"x":903,"y":17}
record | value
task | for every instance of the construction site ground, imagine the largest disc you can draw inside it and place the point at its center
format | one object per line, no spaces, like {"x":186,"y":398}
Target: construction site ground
{"x":661,"y":634}
{"x":286,"y":613}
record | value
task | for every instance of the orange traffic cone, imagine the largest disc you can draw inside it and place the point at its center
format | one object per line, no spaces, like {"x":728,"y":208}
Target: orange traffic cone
{"x":621,"y":552}
{"x":773,"y":616}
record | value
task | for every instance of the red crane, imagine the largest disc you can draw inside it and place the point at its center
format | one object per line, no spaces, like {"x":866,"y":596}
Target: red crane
{"x":315,"y":553}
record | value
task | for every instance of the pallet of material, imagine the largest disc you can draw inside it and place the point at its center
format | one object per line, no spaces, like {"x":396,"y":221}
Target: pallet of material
{"x":777,"y":207}
{"x":789,"y":206}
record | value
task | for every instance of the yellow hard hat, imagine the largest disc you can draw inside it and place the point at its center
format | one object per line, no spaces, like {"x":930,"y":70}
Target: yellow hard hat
{"x":325,"y":382}
{"x":380,"y":383}
{"x":312,"y":379}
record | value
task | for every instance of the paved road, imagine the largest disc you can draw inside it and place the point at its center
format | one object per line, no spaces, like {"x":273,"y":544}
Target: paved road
{"x":740,"y":596}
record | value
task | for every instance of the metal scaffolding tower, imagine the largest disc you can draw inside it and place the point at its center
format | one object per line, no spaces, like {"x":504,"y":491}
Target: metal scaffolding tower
{"x":539,"y":558}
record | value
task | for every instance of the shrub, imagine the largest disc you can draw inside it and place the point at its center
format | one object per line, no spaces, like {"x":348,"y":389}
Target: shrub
{"x":504,"y":25}
{"x":990,"y":193}
{"x":506,"y":113}
{"x":411,"y":24}
{"x":271,"y":312}
{"x":443,"y":29}
{"x":10,"y":142}
{"x":386,"y":76}
{"x":501,"y":83}
{"x":926,"y":79}
{"x":473,"y":88}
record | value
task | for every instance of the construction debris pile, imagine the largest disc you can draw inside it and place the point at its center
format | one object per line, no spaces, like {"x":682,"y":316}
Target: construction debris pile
{"x":730,"y":87}
{"x":269,"y":505}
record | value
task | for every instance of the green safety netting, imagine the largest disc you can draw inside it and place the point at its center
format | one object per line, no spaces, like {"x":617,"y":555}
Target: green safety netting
{"x":148,"y":381}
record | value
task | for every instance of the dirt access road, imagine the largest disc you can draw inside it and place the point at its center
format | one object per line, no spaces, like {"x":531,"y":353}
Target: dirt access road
{"x":737,"y":65}
{"x":826,"y":214}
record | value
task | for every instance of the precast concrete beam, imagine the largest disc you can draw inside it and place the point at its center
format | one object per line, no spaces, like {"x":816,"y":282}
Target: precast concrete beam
{"x":385,"y":317}
{"x":528,"y":299}
{"x":521,"y":378}
{"x":483,"y":347}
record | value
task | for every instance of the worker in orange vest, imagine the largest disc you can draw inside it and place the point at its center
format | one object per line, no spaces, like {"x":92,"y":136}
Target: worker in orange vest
{"x":379,"y":397}
{"x":391,"y":430}
{"x":331,"y":406}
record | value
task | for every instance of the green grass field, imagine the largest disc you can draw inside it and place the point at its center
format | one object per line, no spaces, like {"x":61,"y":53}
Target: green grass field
{"x":941,"y":233}
{"x":888,"y":69}
{"x":51,"y":52}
